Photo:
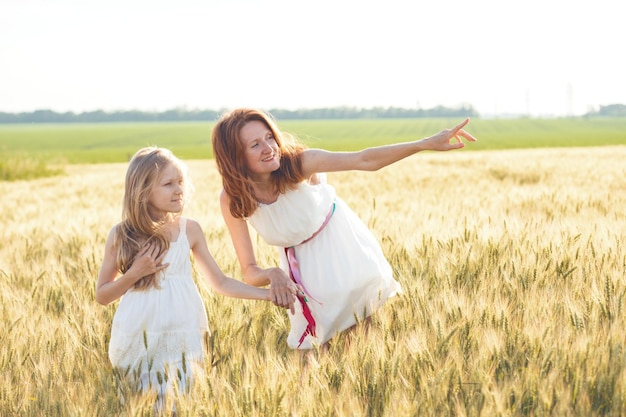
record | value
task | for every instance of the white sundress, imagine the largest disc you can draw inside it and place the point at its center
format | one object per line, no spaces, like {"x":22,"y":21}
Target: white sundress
{"x":160,"y":331}
{"x":342,"y":268}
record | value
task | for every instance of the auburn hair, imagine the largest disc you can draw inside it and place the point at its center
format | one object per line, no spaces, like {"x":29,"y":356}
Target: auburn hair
{"x":229,"y":155}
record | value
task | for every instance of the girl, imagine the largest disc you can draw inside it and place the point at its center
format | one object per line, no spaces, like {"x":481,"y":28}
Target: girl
{"x":277,"y":186}
{"x":159,"y":326}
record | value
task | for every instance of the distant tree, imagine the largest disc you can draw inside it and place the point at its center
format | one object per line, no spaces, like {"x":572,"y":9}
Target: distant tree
{"x":612,"y":110}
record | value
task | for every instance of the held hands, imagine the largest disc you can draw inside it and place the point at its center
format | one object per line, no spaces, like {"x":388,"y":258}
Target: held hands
{"x":148,"y":261}
{"x":442,"y":140}
{"x":282,"y":289}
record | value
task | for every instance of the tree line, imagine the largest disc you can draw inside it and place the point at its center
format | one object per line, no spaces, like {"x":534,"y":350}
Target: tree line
{"x":182,"y":115}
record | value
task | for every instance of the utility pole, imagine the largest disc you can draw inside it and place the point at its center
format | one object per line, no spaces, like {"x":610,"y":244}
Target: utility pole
{"x":570,"y":100}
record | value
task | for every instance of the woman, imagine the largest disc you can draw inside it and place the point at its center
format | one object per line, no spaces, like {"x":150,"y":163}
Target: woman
{"x":327,"y":253}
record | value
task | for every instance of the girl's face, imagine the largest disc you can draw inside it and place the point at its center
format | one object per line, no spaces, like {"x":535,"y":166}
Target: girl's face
{"x":167,"y":195}
{"x":261,"y":149}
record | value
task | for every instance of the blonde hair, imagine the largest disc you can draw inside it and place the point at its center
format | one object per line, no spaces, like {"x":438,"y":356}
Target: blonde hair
{"x":137,"y":226}
{"x":231,"y":163}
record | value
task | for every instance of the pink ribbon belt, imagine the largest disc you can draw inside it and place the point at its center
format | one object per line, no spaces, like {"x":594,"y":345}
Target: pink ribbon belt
{"x":294,"y":274}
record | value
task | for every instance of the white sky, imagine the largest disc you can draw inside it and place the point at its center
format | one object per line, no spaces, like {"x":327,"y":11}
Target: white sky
{"x":537,"y":57}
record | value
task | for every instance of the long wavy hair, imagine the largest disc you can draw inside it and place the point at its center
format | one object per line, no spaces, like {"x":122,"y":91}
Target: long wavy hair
{"x":230,"y":158}
{"x":137,"y":227}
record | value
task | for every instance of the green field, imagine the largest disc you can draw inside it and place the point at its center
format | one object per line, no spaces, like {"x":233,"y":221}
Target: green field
{"x":513,"y":299}
{"x":116,"y":142}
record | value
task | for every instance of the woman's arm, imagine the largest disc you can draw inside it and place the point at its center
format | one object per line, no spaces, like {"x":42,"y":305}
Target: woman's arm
{"x":372,"y":159}
{"x":109,"y":289}
{"x":282,"y":288}
{"x":221,"y":283}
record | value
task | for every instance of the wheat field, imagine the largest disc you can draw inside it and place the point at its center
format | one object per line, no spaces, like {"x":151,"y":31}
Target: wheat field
{"x":512,"y":265}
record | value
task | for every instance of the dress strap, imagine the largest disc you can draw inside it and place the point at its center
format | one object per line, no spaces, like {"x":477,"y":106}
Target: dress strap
{"x":182,"y":225}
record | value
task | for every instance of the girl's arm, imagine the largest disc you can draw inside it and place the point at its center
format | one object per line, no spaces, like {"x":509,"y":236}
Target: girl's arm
{"x":372,"y":159}
{"x":282,"y":288}
{"x":221,"y":283}
{"x":109,"y":289}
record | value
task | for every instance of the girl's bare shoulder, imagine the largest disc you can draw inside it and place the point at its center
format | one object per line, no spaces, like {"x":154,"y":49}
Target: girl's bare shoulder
{"x":194,"y":231}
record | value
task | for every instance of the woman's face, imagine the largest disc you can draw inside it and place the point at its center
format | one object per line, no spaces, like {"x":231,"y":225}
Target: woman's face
{"x":261,"y":149}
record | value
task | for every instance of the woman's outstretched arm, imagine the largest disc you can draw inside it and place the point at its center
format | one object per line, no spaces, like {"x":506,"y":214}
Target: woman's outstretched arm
{"x":372,"y":159}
